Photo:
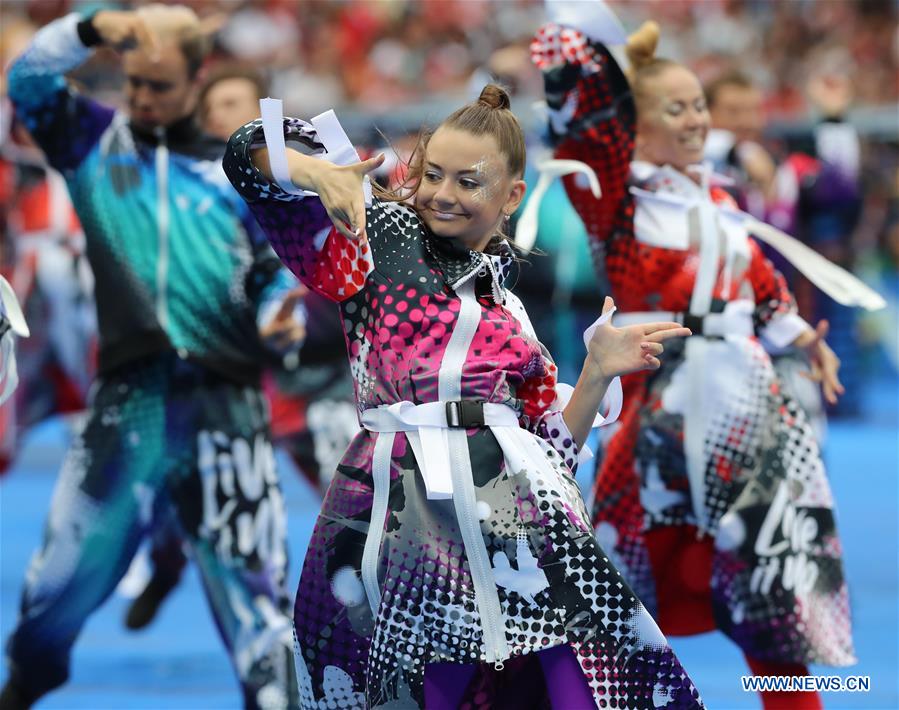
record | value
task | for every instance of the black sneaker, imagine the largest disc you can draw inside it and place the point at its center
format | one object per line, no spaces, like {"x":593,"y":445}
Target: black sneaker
{"x":145,"y":606}
{"x":13,"y":697}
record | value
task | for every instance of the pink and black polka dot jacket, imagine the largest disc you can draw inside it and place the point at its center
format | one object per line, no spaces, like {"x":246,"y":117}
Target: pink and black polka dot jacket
{"x":395,"y":579}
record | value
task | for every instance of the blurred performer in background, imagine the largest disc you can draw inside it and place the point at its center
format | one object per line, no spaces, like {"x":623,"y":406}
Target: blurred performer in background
{"x":187,"y":292}
{"x":230,"y":97}
{"x":310,"y":392}
{"x":42,"y":257}
{"x":813,"y":193}
{"x":714,"y":464}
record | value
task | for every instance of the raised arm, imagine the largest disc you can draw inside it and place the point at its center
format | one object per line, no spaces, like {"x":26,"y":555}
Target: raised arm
{"x":592,"y":119}
{"x":311,"y":234}
{"x":338,"y":187}
{"x":65,"y":124}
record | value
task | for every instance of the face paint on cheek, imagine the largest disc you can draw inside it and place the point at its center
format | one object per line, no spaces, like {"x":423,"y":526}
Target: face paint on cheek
{"x":670,"y":120}
{"x":488,"y":180}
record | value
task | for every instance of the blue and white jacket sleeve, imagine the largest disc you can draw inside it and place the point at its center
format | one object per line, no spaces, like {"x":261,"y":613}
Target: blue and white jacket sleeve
{"x":65,"y":124}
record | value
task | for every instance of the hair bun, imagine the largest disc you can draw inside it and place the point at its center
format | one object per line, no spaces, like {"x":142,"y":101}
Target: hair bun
{"x":641,"y":45}
{"x":495,"y":97}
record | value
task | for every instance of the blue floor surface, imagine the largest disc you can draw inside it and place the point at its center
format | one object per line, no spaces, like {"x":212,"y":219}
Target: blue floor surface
{"x":178,"y":662}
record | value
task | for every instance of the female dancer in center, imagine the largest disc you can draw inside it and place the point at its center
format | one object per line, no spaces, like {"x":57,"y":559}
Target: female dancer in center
{"x":453,"y":556}
{"x":712,"y":496}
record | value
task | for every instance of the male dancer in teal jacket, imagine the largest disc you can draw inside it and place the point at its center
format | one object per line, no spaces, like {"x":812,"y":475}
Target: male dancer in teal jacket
{"x":185,"y":286}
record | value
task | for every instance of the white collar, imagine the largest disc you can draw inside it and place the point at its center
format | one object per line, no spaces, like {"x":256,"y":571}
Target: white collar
{"x":665,"y":177}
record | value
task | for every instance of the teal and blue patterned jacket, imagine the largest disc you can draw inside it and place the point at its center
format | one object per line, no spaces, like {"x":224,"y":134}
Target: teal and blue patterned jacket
{"x":179,"y":262}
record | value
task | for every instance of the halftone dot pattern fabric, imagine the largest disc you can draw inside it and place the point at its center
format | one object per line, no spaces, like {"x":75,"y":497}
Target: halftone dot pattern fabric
{"x":554,"y":583}
{"x":139,"y":454}
{"x":188,"y":284}
{"x":197,"y":287}
{"x":761,"y":468}
{"x":555,"y":45}
{"x":65,"y":124}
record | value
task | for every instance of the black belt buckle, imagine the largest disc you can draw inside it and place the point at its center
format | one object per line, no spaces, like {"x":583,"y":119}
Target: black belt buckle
{"x":694,"y":323}
{"x":465,"y":413}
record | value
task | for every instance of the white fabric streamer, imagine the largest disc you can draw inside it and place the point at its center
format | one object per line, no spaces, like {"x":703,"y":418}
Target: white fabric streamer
{"x":272,"y":112}
{"x":662,"y":220}
{"x":833,"y":280}
{"x":338,"y":148}
{"x":549,"y":170}
{"x":592,"y":17}
{"x":11,"y":313}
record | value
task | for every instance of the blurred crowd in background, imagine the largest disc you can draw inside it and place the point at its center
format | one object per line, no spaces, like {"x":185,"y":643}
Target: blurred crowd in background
{"x":383,"y":53}
{"x":389,"y":51}
{"x":391,"y":64}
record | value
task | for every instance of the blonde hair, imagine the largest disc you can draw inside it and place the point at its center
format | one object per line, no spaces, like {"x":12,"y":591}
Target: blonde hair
{"x":644,"y":64}
{"x":179,"y":24}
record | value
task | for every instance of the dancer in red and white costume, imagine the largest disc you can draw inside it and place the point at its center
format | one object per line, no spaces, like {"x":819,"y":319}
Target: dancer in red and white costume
{"x":712,"y":494}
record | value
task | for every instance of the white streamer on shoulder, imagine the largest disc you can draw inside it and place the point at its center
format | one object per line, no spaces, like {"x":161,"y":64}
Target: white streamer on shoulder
{"x":338,"y":148}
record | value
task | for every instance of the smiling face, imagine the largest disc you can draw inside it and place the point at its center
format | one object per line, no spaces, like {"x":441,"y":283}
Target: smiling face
{"x":466,"y":190}
{"x":159,"y":91}
{"x":673,"y":121}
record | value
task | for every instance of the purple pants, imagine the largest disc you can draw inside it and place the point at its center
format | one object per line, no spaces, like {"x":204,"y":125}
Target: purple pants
{"x":564,"y":685}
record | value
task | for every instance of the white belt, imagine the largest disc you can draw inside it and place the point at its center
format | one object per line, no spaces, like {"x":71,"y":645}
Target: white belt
{"x":735,"y":320}
{"x":425,"y":426}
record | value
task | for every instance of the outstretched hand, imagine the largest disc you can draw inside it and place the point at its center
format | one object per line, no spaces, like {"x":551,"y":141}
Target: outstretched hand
{"x":824,"y":365}
{"x":759,"y":165}
{"x":619,"y":351}
{"x":340,"y":189}
{"x":283,"y":332}
{"x":830,"y":93}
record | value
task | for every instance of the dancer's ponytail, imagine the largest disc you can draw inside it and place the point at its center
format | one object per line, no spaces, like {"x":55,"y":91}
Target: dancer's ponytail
{"x":495,"y":97}
{"x":490,"y":114}
{"x":641,"y":46}
{"x":644,"y":64}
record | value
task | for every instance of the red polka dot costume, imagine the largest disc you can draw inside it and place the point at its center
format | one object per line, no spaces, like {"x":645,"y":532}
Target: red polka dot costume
{"x":365,"y":635}
{"x":712,"y":465}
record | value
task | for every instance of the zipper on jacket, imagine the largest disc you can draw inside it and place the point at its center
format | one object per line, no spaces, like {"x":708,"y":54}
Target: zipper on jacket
{"x":163,"y":215}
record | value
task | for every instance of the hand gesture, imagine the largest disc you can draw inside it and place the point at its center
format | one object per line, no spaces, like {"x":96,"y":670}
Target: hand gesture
{"x":830,"y":93}
{"x":618,"y":351}
{"x":283,"y":332}
{"x":125,"y":30}
{"x":823,"y":362}
{"x":340,"y":190}
{"x":759,"y":165}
